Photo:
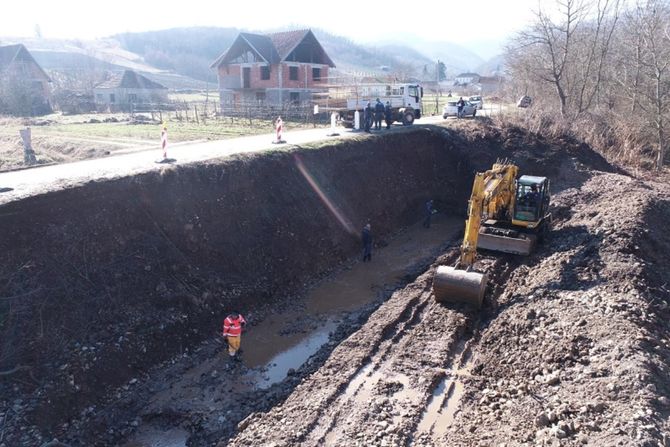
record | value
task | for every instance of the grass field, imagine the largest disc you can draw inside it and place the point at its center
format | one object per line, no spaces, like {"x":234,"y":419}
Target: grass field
{"x":58,"y":139}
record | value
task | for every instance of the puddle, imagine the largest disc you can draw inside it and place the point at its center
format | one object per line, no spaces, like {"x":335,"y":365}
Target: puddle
{"x":149,"y":436}
{"x":445,"y":401}
{"x":361,"y":386}
{"x":287,"y":339}
{"x":294,"y":356}
{"x":439,"y":415}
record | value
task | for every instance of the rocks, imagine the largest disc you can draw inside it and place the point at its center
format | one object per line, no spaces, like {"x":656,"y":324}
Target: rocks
{"x":542,"y":420}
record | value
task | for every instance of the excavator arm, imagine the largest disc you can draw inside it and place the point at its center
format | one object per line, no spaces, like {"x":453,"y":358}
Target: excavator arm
{"x":492,"y":195}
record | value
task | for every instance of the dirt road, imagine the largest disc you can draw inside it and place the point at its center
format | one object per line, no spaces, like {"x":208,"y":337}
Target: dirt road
{"x":19,"y":184}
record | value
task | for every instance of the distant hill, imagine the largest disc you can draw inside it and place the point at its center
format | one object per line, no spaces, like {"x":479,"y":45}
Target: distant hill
{"x":495,"y":65}
{"x":457,"y":58}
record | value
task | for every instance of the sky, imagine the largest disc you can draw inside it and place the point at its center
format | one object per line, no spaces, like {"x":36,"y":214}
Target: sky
{"x":457,"y":21}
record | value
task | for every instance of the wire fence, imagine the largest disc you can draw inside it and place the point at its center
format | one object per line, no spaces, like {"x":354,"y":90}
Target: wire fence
{"x":201,"y":111}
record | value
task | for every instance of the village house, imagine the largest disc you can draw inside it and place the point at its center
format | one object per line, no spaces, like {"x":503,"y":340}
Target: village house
{"x":128,"y":90}
{"x":24,"y":86}
{"x":273,"y":69}
{"x":466,"y":78}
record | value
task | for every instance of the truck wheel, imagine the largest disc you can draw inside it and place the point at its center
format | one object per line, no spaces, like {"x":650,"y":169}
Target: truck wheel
{"x":408,"y":119}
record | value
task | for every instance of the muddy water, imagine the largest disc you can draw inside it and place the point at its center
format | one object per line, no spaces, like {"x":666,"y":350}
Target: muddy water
{"x":264,"y":344}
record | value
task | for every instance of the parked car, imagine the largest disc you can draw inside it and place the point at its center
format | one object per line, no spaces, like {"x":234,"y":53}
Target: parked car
{"x":477,"y":101}
{"x":451,"y":109}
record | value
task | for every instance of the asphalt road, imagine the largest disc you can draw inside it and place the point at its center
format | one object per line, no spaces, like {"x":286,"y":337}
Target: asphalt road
{"x":15,"y":185}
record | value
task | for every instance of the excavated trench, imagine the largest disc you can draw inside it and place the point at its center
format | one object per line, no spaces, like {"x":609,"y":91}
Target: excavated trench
{"x":114,"y":291}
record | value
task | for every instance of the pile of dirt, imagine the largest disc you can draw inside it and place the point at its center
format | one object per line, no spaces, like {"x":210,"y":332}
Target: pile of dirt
{"x":575,"y":349}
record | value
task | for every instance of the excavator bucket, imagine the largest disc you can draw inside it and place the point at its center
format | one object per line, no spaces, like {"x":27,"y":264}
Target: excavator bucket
{"x":523,"y":244}
{"x":451,"y":285}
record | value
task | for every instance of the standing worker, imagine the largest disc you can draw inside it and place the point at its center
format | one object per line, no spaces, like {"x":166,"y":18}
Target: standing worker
{"x":428,"y":213}
{"x":379,"y":114}
{"x":367,"y":117}
{"x":232,"y":332}
{"x":366,"y":235}
{"x":461,"y":105}
{"x":388,"y":115}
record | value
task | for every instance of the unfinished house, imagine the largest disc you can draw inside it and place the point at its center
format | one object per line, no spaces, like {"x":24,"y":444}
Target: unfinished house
{"x":129,"y":91}
{"x":274,"y":69}
{"x":24,"y":86}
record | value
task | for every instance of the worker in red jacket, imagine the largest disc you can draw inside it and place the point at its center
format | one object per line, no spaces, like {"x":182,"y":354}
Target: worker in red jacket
{"x":232,"y":332}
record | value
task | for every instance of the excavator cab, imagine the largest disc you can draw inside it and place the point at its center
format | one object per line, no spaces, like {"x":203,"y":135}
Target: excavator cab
{"x":532,"y":199}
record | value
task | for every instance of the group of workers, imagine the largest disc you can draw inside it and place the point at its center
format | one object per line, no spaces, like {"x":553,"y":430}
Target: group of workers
{"x":378,"y":113}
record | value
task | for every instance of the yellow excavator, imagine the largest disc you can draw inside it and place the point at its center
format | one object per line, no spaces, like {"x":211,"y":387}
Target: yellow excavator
{"x":506,"y":214}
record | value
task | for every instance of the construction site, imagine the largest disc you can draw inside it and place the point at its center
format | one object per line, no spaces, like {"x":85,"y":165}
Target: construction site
{"x":113,"y":290}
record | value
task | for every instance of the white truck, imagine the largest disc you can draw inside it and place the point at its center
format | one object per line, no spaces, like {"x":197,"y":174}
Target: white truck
{"x":405,"y":101}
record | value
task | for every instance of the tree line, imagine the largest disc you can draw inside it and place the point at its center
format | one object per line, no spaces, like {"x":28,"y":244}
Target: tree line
{"x":600,"y":68}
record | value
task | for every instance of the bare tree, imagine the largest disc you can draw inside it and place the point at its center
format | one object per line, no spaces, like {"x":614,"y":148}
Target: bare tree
{"x":568,"y":53}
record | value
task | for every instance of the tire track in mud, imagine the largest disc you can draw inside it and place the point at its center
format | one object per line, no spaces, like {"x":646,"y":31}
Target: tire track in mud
{"x":381,"y":394}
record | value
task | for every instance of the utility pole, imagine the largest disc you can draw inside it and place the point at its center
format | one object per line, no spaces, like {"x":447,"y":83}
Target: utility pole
{"x":437,"y":87}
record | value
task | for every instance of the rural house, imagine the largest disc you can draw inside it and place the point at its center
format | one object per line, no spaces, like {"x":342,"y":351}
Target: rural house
{"x":127,"y":91}
{"x":273,"y":69}
{"x":24,"y":85}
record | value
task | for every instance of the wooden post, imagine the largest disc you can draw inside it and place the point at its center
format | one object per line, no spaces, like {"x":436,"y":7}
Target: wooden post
{"x":195,"y":112}
{"x":28,"y":152}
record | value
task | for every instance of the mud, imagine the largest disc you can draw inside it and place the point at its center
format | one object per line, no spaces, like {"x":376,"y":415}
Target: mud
{"x":550,"y":359}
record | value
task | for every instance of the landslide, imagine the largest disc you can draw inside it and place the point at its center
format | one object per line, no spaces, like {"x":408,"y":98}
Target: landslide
{"x":101,"y":282}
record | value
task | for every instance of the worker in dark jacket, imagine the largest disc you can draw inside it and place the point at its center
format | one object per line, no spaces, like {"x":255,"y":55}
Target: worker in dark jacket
{"x":388,"y":115}
{"x":367,"y":116}
{"x":461,"y":106}
{"x":366,"y":235}
{"x":379,"y":114}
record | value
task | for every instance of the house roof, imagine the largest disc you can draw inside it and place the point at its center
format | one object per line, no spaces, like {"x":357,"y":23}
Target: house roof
{"x":272,"y":48}
{"x":15,"y":53}
{"x":286,"y":41}
{"x":129,"y":79}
